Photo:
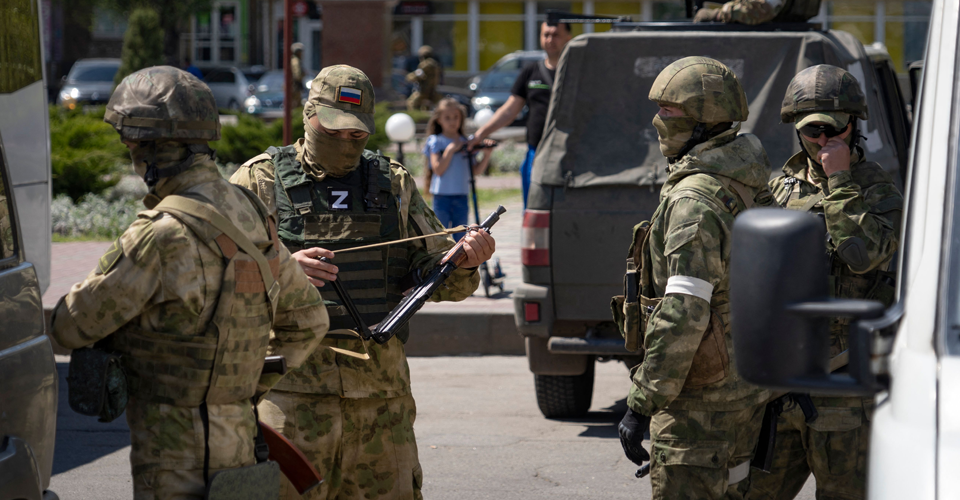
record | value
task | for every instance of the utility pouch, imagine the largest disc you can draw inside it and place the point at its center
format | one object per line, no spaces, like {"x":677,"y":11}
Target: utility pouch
{"x":97,"y":385}
{"x":711,"y":362}
{"x":254,"y":482}
{"x":626,"y":310}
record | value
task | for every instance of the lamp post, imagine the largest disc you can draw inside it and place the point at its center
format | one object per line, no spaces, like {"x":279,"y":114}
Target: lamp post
{"x":482,"y":117}
{"x":400,"y":129}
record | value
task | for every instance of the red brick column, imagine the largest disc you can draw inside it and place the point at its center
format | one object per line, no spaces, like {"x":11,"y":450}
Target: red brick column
{"x":354,"y":33}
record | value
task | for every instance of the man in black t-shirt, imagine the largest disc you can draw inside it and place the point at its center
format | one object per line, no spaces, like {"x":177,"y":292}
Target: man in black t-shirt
{"x":532,"y":88}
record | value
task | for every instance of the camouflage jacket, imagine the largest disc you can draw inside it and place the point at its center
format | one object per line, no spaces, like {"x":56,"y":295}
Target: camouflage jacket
{"x":763,"y":11}
{"x":158,"y":276}
{"x":385,"y":374}
{"x":428,"y":75}
{"x":862,"y":202}
{"x":689,"y":254}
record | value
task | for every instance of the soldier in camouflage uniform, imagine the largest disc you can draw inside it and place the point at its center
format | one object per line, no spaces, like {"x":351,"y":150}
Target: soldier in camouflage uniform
{"x":861,"y":207}
{"x":353,"y":418}
{"x":190,"y":312}
{"x":759,"y":11}
{"x":296,"y":71}
{"x":427,"y":78}
{"x":705,"y":418}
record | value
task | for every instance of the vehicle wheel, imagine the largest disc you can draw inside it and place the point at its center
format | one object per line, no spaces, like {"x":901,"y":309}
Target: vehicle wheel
{"x":233,"y":105}
{"x":565,"y":396}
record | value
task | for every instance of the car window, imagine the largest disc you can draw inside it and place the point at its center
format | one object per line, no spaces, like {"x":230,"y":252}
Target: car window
{"x":94,"y":73}
{"x":501,"y":76}
{"x":7,"y":241}
{"x":272,"y":81}
{"x":220,"y":77}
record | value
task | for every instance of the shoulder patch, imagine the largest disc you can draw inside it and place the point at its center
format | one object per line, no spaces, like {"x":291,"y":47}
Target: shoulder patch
{"x":110,"y":258}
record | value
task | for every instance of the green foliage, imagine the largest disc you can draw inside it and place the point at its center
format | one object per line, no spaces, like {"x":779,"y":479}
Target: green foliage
{"x":142,"y":43}
{"x":98,"y":217}
{"x":86,"y":155}
{"x":252,"y":136}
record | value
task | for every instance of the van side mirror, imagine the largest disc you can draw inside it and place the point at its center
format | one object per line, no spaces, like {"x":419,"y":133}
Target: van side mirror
{"x":780,"y":306}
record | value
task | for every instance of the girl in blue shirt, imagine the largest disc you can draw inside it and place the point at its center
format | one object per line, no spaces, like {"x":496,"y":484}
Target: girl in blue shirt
{"x":450,"y":182}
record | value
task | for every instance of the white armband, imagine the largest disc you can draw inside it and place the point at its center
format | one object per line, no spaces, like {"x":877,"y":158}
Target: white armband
{"x":688,"y":285}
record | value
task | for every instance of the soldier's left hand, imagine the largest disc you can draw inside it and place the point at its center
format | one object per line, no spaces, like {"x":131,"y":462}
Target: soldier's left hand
{"x":479,"y":247}
{"x":834,"y":156}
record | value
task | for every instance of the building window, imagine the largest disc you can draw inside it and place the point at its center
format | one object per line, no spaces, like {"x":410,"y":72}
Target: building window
{"x":216,"y":34}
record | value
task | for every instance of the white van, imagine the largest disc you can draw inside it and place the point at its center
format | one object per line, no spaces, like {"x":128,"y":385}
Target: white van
{"x":907,"y":355}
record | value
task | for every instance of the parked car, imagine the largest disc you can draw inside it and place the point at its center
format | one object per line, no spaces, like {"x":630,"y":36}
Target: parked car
{"x":492,"y":89}
{"x":89,"y":82}
{"x":267,"y":100}
{"x":230,"y":88}
{"x":599,"y":169}
{"x":908,"y":355}
{"x":28,"y":394}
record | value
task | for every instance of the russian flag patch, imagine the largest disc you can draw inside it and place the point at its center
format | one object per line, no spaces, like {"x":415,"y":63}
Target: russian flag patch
{"x":350,"y":95}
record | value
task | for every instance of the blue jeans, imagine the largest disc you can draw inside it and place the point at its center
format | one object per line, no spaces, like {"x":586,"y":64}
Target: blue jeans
{"x":451,"y":210}
{"x":525,"y":170}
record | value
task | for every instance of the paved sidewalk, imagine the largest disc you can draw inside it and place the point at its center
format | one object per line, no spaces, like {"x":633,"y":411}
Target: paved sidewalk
{"x":477,"y":325}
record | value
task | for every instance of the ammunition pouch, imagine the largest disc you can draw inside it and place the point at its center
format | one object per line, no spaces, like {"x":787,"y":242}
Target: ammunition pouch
{"x":632,"y":309}
{"x":97,"y":384}
{"x":711,"y":363}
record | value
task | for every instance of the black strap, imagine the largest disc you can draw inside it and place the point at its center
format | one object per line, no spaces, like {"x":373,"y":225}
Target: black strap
{"x":261,"y":450}
{"x":763,"y":454}
{"x":205,"y":418}
{"x":806,"y":406}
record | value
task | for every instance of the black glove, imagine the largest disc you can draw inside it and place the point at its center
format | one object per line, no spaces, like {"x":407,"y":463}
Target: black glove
{"x":632,"y":428}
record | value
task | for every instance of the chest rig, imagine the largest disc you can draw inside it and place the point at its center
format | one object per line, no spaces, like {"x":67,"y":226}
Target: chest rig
{"x":336,"y":213}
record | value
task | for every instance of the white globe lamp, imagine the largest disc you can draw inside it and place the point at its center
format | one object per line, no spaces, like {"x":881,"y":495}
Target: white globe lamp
{"x":400,"y":129}
{"x":482,"y":117}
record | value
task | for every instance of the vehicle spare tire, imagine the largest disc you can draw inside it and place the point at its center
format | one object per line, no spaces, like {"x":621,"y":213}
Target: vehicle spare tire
{"x":565,"y":396}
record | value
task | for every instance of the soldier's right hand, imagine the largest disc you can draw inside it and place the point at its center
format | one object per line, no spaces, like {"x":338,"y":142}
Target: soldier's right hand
{"x":317,"y":272}
{"x":632,"y":428}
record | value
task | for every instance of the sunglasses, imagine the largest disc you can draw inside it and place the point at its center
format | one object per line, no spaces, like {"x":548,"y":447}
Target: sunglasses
{"x":814,"y":131}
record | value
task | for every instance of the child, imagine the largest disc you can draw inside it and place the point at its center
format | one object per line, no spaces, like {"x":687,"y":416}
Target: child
{"x":450,"y":182}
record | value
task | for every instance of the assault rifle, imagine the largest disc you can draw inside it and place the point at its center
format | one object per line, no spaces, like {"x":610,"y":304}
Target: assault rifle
{"x":400,"y":316}
{"x":293,"y":463}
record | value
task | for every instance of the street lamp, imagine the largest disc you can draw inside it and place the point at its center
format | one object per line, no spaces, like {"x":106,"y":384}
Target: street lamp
{"x":400,"y":129}
{"x":481,"y":117}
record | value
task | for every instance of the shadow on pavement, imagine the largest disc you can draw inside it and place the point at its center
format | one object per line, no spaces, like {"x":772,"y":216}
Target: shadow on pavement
{"x":603,"y":423}
{"x":82,"y":439}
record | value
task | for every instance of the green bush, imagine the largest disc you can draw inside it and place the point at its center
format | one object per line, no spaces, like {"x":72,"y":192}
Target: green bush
{"x":86,"y":155}
{"x":252,"y":136}
{"x":142,"y":43}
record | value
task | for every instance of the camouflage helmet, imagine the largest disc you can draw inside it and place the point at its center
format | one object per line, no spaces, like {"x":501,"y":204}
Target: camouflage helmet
{"x":425,"y":51}
{"x":705,"y":89}
{"x":295,"y":47}
{"x":823,"y":93}
{"x":163,"y":102}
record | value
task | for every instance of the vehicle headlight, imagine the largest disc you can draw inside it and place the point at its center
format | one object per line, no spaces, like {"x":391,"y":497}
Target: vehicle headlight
{"x":66,"y":96}
{"x":74,"y":92}
{"x":481,"y":101}
{"x":252,"y":102}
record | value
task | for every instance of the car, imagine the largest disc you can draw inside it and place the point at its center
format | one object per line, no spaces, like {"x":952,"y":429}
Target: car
{"x":267,"y":100}
{"x":598,"y":172}
{"x":907,"y":355}
{"x":230,"y":87}
{"x":492,"y":88}
{"x":89,"y":82}
{"x":28,"y":395}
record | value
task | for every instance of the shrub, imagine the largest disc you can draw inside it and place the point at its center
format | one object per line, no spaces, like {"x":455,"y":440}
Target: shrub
{"x":252,"y":136}
{"x":142,"y":43}
{"x":86,"y":155}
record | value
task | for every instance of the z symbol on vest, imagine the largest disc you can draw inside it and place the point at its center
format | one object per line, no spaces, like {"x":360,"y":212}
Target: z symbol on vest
{"x":339,"y":199}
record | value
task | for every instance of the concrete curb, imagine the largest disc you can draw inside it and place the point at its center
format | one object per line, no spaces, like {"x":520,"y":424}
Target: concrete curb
{"x":443,"y":332}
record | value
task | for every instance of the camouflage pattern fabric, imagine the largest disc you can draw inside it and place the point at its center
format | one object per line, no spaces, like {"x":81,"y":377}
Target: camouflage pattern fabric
{"x":427,"y":77}
{"x":823,"y":88}
{"x":705,"y":89}
{"x":692,"y":452}
{"x":862,"y":202}
{"x":166,"y":280}
{"x":296,"y":76}
{"x":363,"y":448}
{"x":170,"y":484}
{"x":754,"y":12}
{"x":833,"y":447}
{"x":689,"y":242}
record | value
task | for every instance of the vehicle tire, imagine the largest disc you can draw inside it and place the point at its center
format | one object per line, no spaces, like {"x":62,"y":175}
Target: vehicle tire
{"x":565,"y":396}
{"x":233,"y":105}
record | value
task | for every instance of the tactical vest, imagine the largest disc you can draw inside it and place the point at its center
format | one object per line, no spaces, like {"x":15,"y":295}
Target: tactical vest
{"x":631,"y":310}
{"x":337,"y":213}
{"x":877,"y":284}
{"x":223,"y":364}
{"x":797,"y":11}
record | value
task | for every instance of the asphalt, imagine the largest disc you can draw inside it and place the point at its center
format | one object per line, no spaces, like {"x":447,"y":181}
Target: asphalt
{"x":476,"y":325}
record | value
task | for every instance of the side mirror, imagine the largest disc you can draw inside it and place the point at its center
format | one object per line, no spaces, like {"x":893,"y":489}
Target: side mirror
{"x":780,"y":307}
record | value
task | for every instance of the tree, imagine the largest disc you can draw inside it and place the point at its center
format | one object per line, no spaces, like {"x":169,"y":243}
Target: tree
{"x":142,"y":43}
{"x":174,"y":15}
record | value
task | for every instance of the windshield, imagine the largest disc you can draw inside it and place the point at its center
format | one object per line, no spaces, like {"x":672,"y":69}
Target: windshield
{"x":501,"y":76}
{"x":272,"y":81}
{"x":94,"y":73}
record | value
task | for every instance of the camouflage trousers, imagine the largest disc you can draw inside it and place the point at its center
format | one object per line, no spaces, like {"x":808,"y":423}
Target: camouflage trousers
{"x":364,"y":448}
{"x":833,"y":447}
{"x":702,"y":454}
{"x":170,"y":484}
{"x":423,"y":100}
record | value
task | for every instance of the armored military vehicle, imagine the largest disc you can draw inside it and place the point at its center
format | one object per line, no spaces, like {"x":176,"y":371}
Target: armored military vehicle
{"x":598,"y":172}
